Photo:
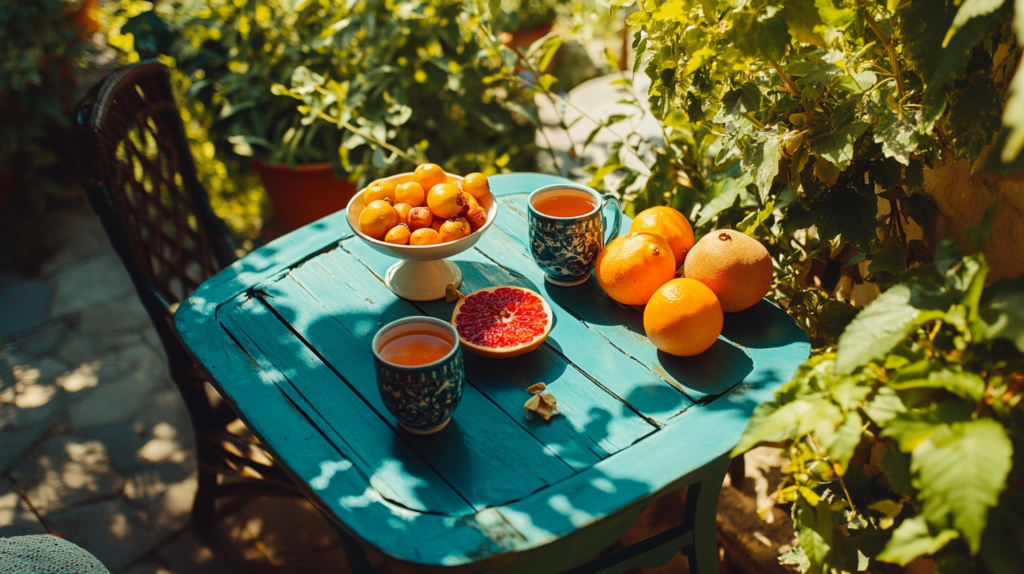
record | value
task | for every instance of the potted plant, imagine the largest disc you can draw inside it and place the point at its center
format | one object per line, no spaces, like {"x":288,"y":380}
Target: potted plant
{"x":414,"y":88}
{"x":230,"y":54}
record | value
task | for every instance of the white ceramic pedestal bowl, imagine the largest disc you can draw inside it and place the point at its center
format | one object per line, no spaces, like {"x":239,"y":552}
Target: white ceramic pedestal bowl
{"x":422,"y":274}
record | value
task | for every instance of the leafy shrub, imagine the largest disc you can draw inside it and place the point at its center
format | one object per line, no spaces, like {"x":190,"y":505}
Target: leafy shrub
{"x":42,"y":50}
{"x":793,"y":120}
{"x":808,"y":124}
{"x":901,"y":443}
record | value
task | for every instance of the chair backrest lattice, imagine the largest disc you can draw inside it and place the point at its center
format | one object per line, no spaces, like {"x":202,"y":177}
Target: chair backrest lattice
{"x":139,"y":170}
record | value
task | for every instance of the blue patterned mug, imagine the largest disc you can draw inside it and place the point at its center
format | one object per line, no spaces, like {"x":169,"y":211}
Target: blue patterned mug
{"x":422,"y":397}
{"x":566,"y":248}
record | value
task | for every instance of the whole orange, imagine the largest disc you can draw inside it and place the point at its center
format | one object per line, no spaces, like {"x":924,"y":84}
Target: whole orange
{"x":736,"y":267}
{"x":683,"y":318}
{"x":632,"y":267}
{"x":428,"y":175}
{"x":668,"y":223}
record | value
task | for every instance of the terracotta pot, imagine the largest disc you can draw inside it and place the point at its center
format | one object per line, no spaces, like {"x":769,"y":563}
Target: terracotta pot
{"x":522,"y":39}
{"x":87,"y":25}
{"x":304,"y":194}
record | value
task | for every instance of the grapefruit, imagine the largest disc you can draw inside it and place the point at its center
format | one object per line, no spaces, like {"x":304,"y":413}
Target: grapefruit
{"x":632,"y":267}
{"x":668,"y":223}
{"x":683,"y":318}
{"x":502,"y":321}
{"x":737,"y":268}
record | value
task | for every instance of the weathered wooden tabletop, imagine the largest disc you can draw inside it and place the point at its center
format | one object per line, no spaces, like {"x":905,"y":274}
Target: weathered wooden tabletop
{"x":285,"y":336}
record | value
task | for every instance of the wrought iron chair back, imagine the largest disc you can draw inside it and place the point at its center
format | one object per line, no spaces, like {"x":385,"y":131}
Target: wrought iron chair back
{"x":140,"y":177}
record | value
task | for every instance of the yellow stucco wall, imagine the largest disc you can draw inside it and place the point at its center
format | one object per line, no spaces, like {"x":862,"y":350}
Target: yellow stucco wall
{"x":962,"y":199}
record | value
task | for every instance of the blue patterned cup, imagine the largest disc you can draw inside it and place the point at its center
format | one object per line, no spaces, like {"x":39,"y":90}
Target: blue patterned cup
{"x":566,"y":248}
{"x":421,"y":397}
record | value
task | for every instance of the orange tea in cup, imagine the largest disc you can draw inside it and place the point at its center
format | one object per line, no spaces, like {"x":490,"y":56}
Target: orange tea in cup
{"x":414,"y":348}
{"x":564,"y":205}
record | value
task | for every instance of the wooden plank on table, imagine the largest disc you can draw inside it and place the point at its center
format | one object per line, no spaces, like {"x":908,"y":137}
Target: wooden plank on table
{"x":592,"y":425}
{"x":391,"y":468}
{"x":485,"y":457}
{"x":701,"y":378}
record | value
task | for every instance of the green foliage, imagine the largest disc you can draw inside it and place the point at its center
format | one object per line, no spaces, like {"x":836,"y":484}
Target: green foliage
{"x":797,"y":121}
{"x":42,"y":51}
{"x":913,"y":423}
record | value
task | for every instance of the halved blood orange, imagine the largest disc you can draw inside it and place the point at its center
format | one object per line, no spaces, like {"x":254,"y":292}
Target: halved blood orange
{"x":502,"y":321}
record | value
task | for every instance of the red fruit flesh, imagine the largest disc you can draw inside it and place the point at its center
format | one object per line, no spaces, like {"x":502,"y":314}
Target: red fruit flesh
{"x":502,"y":321}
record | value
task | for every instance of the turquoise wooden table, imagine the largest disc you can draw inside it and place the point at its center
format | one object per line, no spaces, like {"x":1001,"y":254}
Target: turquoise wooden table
{"x":285,"y":334}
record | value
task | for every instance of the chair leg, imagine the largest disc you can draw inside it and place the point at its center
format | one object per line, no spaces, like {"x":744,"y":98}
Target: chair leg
{"x":738,"y":471}
{"x":206,"y":499}
{"x":701,"y":509}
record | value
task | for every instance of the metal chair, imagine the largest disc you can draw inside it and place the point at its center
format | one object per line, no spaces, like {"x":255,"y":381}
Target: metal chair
{"x":141,"y":181}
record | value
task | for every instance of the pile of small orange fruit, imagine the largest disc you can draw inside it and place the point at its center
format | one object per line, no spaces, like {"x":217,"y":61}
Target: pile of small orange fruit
{"x":726,"y":271}
{"x":425,"y":211}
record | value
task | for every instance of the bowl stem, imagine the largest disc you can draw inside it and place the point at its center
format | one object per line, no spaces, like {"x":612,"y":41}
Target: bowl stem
{"x":422,"y":280}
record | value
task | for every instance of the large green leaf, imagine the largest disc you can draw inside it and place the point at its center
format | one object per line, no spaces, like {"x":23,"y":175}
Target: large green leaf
{"x":877,"y":329}
{"x":959,"y":472}
{"x":912,"y":539}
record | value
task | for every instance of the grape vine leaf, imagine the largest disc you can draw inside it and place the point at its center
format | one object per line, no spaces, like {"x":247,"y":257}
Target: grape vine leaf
{"x":970,"y":9}
{"x":845,"y":211}
{"x":975,"y":109}
{"x":761,"y":157}
{"x":759,"y":38}
{"x":924,"y":29}
{"x":912,"y":539}
{"x":897,"y":132}
{"x":802,"y":17}
{"x":877,"y":329}
{"x":897,"y":466}
{"x":891,"y":258}
{"x":960,"y":471}
{"x":833,"y":15}
{"x":885,"y":406}
{"x":1003,"y":311}
{"x":742,"y":99}
{"x":837,"y":146}
{"x":834,"y":317}
{"x":842,"y":441}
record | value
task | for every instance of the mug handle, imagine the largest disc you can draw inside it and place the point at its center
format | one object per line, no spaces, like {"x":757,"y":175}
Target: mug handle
{"x":616,"y":220}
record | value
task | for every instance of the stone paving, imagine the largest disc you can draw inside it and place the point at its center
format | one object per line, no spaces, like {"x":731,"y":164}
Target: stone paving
{"x":96,"y":445}
{"x":95,"y":441}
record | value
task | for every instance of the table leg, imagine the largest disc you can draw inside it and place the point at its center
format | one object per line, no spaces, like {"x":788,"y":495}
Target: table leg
{"x":701,"y":509}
